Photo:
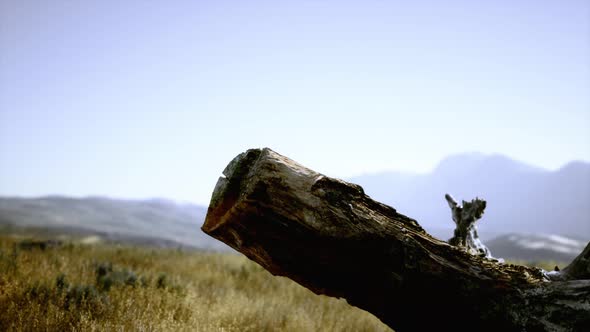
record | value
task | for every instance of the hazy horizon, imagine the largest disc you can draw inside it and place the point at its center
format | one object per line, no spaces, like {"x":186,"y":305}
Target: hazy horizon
{"x":146,"y":99}
{"x":179,"y":200}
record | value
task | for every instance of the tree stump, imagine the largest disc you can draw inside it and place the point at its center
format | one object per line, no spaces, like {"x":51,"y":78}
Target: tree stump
{"x":330,"y":237}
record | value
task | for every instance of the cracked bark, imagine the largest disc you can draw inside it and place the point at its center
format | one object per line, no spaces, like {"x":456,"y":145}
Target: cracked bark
{"x":330,"y":237}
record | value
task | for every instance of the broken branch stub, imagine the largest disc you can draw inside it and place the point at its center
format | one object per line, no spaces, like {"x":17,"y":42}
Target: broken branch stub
{"x":330,"y":237}
{"x":465,"y":216}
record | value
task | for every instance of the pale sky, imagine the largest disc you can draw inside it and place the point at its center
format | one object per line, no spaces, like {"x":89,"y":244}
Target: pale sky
{"x":138,"y":99}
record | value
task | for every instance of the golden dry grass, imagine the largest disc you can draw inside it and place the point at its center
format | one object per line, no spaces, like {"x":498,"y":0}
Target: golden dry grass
{"x":57,"y":289}
{"x":146,"y":289}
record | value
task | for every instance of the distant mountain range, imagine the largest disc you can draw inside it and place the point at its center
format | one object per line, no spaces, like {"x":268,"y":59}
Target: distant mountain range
{"x":168,"y":224}
{"x":521,"y":198}
{"x":155,"y":222}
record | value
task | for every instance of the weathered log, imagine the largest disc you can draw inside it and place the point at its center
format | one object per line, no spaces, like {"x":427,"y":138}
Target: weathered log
{"x":330,"y":237}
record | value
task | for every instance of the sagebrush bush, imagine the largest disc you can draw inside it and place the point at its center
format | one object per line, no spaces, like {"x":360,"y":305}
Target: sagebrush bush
{"x":107,"y":277}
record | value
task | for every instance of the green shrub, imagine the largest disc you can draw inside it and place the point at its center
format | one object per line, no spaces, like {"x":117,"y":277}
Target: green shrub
{"x":107,"y":277}
{"x":162,"y":281}
{"x":84,"y":297}
{"x":61,"y":283}
{"x":39,"y":292}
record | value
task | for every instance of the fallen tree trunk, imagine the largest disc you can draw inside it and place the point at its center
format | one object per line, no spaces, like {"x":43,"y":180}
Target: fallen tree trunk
{"x":330,"y":237}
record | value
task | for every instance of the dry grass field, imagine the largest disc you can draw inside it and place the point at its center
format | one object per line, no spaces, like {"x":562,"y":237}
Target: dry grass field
{"x":89,"y":286}
{"x":100,"y":287}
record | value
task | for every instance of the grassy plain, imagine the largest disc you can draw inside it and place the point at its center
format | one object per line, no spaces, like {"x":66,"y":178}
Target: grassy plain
{"x":100,"y":287}
{"x":91,"y":286}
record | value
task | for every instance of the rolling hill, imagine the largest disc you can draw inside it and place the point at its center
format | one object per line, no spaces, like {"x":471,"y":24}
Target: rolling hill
{"x":156,"y":221}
